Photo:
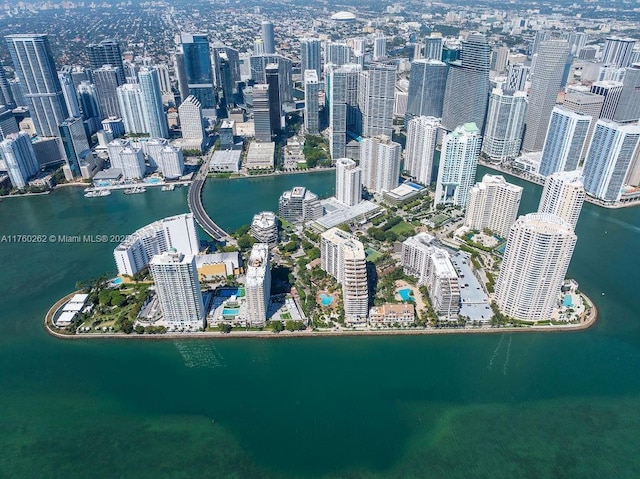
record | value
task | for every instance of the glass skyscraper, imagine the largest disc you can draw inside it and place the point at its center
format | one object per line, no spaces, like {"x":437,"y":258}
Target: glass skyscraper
{"x":197,"y":68}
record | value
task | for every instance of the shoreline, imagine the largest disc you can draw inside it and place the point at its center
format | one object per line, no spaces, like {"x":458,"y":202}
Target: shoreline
{"x":588,"y":322}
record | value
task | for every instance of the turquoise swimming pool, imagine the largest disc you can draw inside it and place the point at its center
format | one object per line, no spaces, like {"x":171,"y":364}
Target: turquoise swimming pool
{"x":326,"y":299}
{"x":567,"y":302}
{"x":153,"y":181}
{"x":406,"y":294}
{"x":230,"y":311}
{"x":116,"y":281}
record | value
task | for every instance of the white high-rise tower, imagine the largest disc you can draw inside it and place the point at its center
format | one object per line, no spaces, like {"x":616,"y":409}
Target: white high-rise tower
{"x":348,"y":182}
{"x":505,"y":123}
{"x":493,"y":203}
{"x":311,"y":106}
{"x":421,"y":143}
{"x":258,"y":285}
{"x":565,"y":141}
{"x":563,"y":195}
{"x":380,"y":163}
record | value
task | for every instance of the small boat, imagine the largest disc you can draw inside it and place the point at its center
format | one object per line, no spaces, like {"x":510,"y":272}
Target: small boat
{"x":104,"y":193}
{"x":92,"y":194}
{"x":168,"y":188}
{"x":135,"y":190}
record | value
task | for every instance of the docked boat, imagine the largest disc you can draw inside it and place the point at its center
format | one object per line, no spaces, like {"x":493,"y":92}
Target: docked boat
{"x":95,"y":193}
{"x":168,"y":188}
{"x":134,"y":190}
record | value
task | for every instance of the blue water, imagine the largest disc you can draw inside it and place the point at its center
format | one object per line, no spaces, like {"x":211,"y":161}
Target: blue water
{"x":413,"y":185}
{"x":405,"y":294}
{"x":326,"y":299}
{"x":228,"y":292}
{"x":230,"y":311}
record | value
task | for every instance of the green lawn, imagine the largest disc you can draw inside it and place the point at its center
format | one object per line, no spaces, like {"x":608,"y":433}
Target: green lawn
{"x":403,"y":228}
{"x":372,"y":254}
{"x":439,"y":219}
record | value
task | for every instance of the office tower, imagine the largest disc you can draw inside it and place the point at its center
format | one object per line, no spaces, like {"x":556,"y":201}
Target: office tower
{"x":376,"y":99}
{"x":18,"y":93}
{"x":588,"y":104}
{"x":499,"y":58}
{"x":618,"y":51}
{"x":191,"y":122}
{"x":534,"y":264}
{"x":88,"y":98}
{"x":225,"y":135}
{"x":69,"y":93}
{"x":178,"y":289}
{"x":224,"y":75}
{"x":348,"y":182}
{"x":467,"y":90}
{"x":197,"y":68}
{"x":379,"y":47}
{"x":106,"y":81}
{"x":34,"y":65}
{"x":20,"y":161}
{"x":275,"y":101}
{"x":181,"y":75}
{"x":380,"y":163}
{"x":107,"y":52}
{"x":310,"y":55}
{"x":432,"y":48}
{"x":545,"y":85}
{"x":422,"y":133}
{"x":493,"y":204}
{"x":433,"y":268}
{"x":285,"y":68}
{"x":565,"y":141}
{"x":400,"y":103}
{"x":261,"y":113}
{"x":258,"y":285}
{"x":268,"y":38}
{"x":337,"y":54}
{"x":6,"y":97}
{"x":342,"y":97}
{"x":427,"y":85}
{"x":517,"y":77}
{"x":134,"y":253}
{"x":505,"y":124}
{"x":628,"y":108}
{"x":233,"y":58}
{"x":577,"y":41}
{"x":152,"y":107}
{"x":170,"y":162}
{"x":130,"y":101}
{"x":611,"y":91}
{"x":114,"y":126}
{"x":458,"y":163}
{"x":609,"y":158}
{"x":75,"y":143}
{"x":298,"y":205}
{"x":8,"y":123}
{"x":264,"y":228}
{"x":563,"y":195}
{"x":540,"y":37}
{"x":343,"y":257}
{"x":311,"y":106}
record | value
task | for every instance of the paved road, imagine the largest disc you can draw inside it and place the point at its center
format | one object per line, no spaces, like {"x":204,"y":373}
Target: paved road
{"x":196,"y":207}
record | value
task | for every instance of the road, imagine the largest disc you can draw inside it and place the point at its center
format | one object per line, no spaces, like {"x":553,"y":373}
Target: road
{"x":196,"y":207}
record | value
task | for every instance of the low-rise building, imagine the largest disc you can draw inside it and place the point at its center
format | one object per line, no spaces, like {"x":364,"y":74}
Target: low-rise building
{"x":299,"y":205}
{"x":391,"y":314}
{"x":215,"y":265}
{"x":226,"y":161}
{"x":260,"y":156}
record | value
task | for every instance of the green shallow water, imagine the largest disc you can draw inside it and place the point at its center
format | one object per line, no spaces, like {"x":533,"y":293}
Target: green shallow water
{"x":527,"y":405}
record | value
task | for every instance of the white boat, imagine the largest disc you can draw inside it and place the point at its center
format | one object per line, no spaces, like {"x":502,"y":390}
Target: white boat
{"x":92,"y":194}
{"x":168,"y":188}
{"x":104,"y":193}
{"x":134,"y":190}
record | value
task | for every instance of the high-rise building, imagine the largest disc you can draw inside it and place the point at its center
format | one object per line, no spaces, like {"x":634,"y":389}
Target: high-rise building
{"x":505,"y":124}
{"x":69,"y":93}
{"x":545,"y":85}
{"x":75,"y":143}
{"x":432,"y":48}
{"x":467,"y":90}
{"x":433,"y":268}
{"x":34,"y":66}
{"x":261,"y":114}
{"x":170,"y":161}
{"x":380,"y":162}
{"x":127,"y":158}
{"x":310,"y":58}
{"x":191,"y":122}
{"x":611,"y":91}
{"x":311,"y":105}
{"x":458,"y":163}
{"x":618,"y":51}
{"x":264,"y":228}
{"x":422,"y":133}
{"x":499,"y":57}
{"x":19,"y":158}
{"x":565,"y":141}
{"x":6,"y":97}
{"x":152,"y":107}
{"x":258,"y":285}
{"x":348,"y":182}
{"x":268,"y":38}
{"x":130,"y":100}
{"x":379,"y":47}
{"x":88,"y":98}
{"x":343,"y":257}
{"x":178,"y":289}
{"x":275,"y":100}
{"x":427,"y":85}
{"x":17,"y":92}
{"x":259,"y":63}
{"x":588,"y":104}
{"x":517,"y":77}
{"x":106,"y":81}
{"x":540,"y":37}
{"x":563,"y":195}
{"x":609,"y":158}
{"x":359,"y":46}
{"x":376,"y":99}
{"x":628,"y":108}
{"x":337,"y":54}
{"x":8,"y":123}
{"x":342,"y":89}
{"x":226,"y":64}
{"x":493,"y":203}
{"x":107,"y":52}
{"x":298,"y":205}
{"x":197,"y":68}
{"x":535,"y":261}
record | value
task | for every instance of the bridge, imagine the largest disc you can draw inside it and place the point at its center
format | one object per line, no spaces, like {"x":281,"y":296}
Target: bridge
{"x":196,"y":207}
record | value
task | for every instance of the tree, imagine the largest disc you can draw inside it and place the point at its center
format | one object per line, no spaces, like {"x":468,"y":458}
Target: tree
{"x":139,"y":329}
{"x":276,"y":326}
{"x":117,"y":299}
{"x":225,"y":328}
{"x":104,"y":297}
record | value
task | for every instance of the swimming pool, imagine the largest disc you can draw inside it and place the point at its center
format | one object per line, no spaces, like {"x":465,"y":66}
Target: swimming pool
{"x":228,"y":292}
{"x":116,"y":281}
{"x":153,"y":181}
{"x":406,"y":294}
{"x":230,"y":311}
{"x":326,"y":299}
{"x":567,"y":302}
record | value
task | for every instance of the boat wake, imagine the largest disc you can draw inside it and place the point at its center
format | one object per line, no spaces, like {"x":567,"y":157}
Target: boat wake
{"x":506,"y":361}
{"x":495,"y":353}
